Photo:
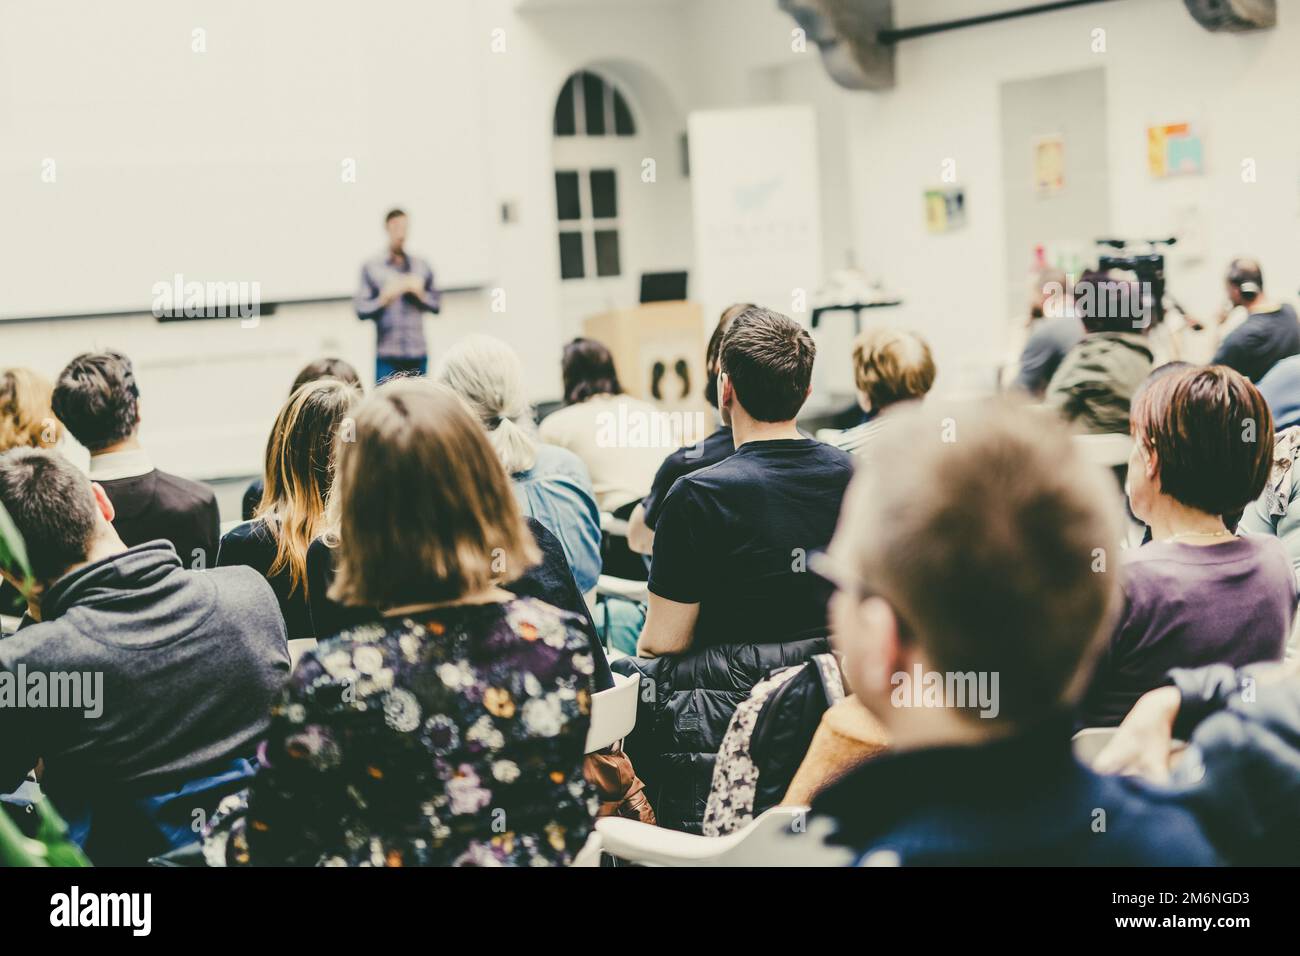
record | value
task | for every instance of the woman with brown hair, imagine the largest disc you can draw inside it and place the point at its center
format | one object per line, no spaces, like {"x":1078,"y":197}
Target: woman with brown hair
{"x":1197,"y":594}
{"x":299,"y":470}
{"x":451,"y":730}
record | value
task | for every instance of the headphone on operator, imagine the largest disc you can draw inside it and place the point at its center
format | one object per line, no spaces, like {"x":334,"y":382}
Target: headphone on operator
{"x":1245,"y":277}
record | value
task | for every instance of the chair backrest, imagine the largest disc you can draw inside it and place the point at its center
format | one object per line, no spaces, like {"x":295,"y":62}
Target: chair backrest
{"x":1090,"y":742}
{"x":613,"y":713}
{"x":1109,"y":451}
{"x":647,"y":845}
{"x":299,"y":646}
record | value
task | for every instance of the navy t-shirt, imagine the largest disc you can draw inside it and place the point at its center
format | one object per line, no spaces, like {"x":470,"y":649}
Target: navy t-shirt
{"x":683,"y":461}
{"x":734,"y":538}
{"x":1260,"y":342}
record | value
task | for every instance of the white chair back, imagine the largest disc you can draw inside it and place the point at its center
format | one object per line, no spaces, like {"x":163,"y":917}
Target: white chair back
{"x":1090,"y":742}
{"x":613,"y":713}
{"x":1109,"y":451}
{"x":647,"y":845}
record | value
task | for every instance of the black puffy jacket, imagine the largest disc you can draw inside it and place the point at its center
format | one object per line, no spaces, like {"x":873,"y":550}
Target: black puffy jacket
{"x":685,"y":705}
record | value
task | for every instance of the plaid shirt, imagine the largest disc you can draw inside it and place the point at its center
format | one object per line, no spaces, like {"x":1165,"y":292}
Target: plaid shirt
{"x":401,"y":322}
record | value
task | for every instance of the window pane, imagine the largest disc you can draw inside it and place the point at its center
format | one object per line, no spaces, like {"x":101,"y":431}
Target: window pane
{"x":593,"y":92}
{"x":571,"y":255}
{"x":567,"y":204}
{"x":604,"y":194}
{"x":565,"y":124}
{"x":623,"y":124}
{"x":607,"y":252}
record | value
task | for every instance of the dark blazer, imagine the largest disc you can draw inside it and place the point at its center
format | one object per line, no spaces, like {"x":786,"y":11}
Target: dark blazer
{"x":158,"y":506}
{"x":253,"y":545}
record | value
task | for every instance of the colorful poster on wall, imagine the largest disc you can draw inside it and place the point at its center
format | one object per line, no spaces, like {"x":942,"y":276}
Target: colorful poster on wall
{"x":945,"y":209}
{"x":1174,"y":149}
{"x":1049,"y":165}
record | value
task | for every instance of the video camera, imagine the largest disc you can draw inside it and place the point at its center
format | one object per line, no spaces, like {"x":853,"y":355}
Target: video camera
{"x":1149,"y":267}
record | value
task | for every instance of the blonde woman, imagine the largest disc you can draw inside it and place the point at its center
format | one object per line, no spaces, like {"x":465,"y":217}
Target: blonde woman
{"x":299,"y":472}
{"x":26,"y":421}
{"x":26,"y":418}
{"x":550,"y":483}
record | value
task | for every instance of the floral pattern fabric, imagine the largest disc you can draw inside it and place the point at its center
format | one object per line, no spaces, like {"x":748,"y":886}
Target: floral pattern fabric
{"x":452,"y":738}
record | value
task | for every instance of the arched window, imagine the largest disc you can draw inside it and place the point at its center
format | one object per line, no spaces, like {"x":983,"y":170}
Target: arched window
{"x":588,"y":112}
{"x":589,"y":106}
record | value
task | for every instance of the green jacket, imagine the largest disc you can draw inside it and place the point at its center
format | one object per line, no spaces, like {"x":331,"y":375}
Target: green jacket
{"x":1097,"y":379}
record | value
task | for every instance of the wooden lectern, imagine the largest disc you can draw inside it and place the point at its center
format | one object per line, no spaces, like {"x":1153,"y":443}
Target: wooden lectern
{"x":658,"y":349}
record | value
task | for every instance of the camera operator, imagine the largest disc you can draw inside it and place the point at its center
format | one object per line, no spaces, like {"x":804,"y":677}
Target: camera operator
{"x":1269,"y":332}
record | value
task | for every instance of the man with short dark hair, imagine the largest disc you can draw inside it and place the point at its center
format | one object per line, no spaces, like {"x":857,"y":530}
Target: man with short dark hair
{"x":726,"y":564}
{"x":396,"y":290}
{"x":98,"y":401}
{"x":174,"y":670}
{"x":730,"y":593}
{"x":1270,"y":331}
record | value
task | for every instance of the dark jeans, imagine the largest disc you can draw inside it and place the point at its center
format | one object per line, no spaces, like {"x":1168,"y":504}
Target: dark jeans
{"x":387,"y":367}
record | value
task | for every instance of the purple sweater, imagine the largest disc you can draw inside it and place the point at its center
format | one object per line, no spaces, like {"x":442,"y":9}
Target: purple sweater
{"x":1189,"y":606}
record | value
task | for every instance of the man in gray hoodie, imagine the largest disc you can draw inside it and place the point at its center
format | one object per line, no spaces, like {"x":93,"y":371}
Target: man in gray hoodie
{"x":141,"y":688}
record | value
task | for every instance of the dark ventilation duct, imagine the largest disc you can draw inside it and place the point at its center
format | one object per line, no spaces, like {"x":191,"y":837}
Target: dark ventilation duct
{"x":856,"y":38}
{"x":845,"y":32}
{"x":1233,"y":16}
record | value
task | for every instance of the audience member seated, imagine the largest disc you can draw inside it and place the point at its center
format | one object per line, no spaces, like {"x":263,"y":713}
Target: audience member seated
{"x":610,"y":431}
{"x":166,"y":674}
{"x":299,"y":470}
{"x":1281,"y":389}
{"x":550,"y":483}
{"x":689,"y":458}
{"x":1196,"y":594}
{"x":1097,"y":378}
{"x":324,"y":368}
{"x":27,"y":417}
{"x":26,"y":421}
{"x":1270,"y":332}
{"x":409,"y":741}
{"x":550,"y":581}
{"x":1241,"y":773}
{"x":1274,"y":512}
{"x":730,"y":598}
{"x":97,"y":400}
{"x":889,"y":367}
{"x":1054,"y":329}
{"x":967,"y":609}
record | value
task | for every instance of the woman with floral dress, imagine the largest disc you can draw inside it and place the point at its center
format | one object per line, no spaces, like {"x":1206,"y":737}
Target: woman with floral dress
{"x":451,"y":732}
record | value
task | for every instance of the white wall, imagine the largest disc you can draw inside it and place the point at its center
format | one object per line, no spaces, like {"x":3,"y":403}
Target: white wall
{"x":878,"y":153}
{"x":1160,"y":67}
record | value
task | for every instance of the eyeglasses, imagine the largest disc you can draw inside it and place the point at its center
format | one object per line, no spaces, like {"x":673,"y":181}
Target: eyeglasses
{"x":837,"y":576}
